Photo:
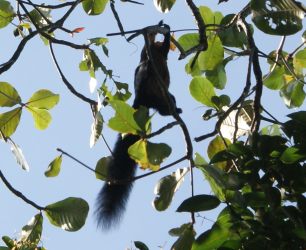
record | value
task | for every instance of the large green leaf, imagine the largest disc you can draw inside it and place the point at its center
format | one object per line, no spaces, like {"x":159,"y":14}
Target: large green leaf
{"x":43,"y":99}
{"x":9,"y":121}
{"x":8,"y":95}
{"x":202,"y":90}
{"x":293,"y":94}
{"x":6,"y":13}
{"x":31,"y":232}
{"x":69,"y":214}
{"x":164,"y":5}
{"x":277,"y":17}
{"x":211,"y":239}
{"x":215,"y":146}
{"x":188,"y":41}
{"x":199,"y":203}
{"x":42,"y":117}
{"x":209,"y":16}
{"x":275,"y":79}
{"x":123,"y":121}
{"x":94,"y":7}
{"x":217,"y":76}
{"x":166,"y":187}
{"x":292,"y":155}
{"x":149,"y":155}
{"x":213,"y":56}
{"x":54,"y":167}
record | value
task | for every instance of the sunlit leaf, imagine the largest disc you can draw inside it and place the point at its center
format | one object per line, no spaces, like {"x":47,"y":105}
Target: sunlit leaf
{"x":217,"y":76}
{"x":98,"y":41}
{"x":209,"y":16}
{"x":277,"y":17}
{"x":42,"y":117}
{"x":8,"y":95}
{"x":216,"y":145}
{"x":16,"y":150}
{"x":164,"y":5}
{"x":43,"y":99}
{"x":293,"y":94}
{"x":9,"y":121}
{"x":199,"y":203}
{"x":166,"y":187}
{"x":202,"y":90}
{"x":187,"y":41}
{"x":299,"y":59}
{"x":96,"y":129}
{"x":94,"y":7}
{"x":32,"y":231}
{"x":275,"y":79}
{"x":148,"y":154}
{"x":123,"y":121}
{"x":6,"y":13}
{"x":213,"y":56}
{"x":292,"y":155}
{"x":69,"y":214}
{"x":54,"y":167}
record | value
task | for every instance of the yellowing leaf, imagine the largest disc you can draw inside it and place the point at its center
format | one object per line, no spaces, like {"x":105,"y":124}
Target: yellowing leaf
{"x":149,"y":155}
{"x":8,"y":95}
{"x":9,"y":121}
{"x":42,"y":117}
{"x":43,"y":99}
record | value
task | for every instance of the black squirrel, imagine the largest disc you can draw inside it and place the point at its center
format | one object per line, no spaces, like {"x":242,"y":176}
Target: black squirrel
{"x":113,"y":197}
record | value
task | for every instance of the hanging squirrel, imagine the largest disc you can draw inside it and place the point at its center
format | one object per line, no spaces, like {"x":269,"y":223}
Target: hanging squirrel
{"x":113,"y":197}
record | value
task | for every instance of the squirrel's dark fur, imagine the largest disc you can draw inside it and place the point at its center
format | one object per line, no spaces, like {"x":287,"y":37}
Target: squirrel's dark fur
{"x":113,"y":197}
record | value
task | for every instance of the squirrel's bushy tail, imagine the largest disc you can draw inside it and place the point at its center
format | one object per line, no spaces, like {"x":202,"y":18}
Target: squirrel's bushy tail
{"x":112,"y":198}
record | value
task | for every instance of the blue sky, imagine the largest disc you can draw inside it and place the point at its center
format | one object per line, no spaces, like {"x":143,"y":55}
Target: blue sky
{"x":70,"y":129}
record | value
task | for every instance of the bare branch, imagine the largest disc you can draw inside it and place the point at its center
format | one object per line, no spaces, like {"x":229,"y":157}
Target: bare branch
{"x":18,"y":193}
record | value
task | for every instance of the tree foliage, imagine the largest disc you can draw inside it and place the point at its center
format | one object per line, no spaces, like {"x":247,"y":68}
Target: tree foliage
{"x":256,"y":172}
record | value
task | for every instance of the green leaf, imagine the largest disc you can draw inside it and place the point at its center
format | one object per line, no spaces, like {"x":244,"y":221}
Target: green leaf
{"x":69,"y":214}
{"x":232,"y":36}
{"x":96,"y":129}
{"x":275,"y":79}
{"x":94,"y":7}
{"x":16,"y":150}
{"x":199,"y":203}
{"x":292,"y":155}
{"x":140,"y":245}
{"x":43,"y":99}
{"x":98,"y":41}
{"x":149,"y":155}
{"x":32,"y":231}
{"x":123,"y":121}
{"x":217,"y":76}
{"x":209,"y":16}
{"x":202,"y":90}
{"x":299,"y":60}
{"x":166,"y":187}
{"x":6,"y":13}
{"x":8,"y":95}
{"x":164,"y":5}
{"x":277,"y":17}
{"x":188,"y":41}
{"x":215,"y":177}
{"x":9,"y":121}
{"x":199,"y":160}
{"x":213,"y":56}
{"x":42,"y":117}
{"x":211,"y":239}
{"x":122,"y":91}
{"x":38,"y":16}
{"x":293,"y":94}
{"x":8,"y":241}
{"x":54,"y":167}
{"x":186,"y":238}
{"x":102,"y":167}
{"x":215,"y":146}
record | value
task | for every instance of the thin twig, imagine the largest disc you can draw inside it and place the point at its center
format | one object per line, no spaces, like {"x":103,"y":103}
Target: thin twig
{"x":68,"y":84}
{"x":115,"y":13}
{"x":18,"y":193}
{"x":161,"y":130}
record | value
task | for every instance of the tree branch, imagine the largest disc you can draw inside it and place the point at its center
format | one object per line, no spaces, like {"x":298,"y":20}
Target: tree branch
{"x":18,"y":193}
